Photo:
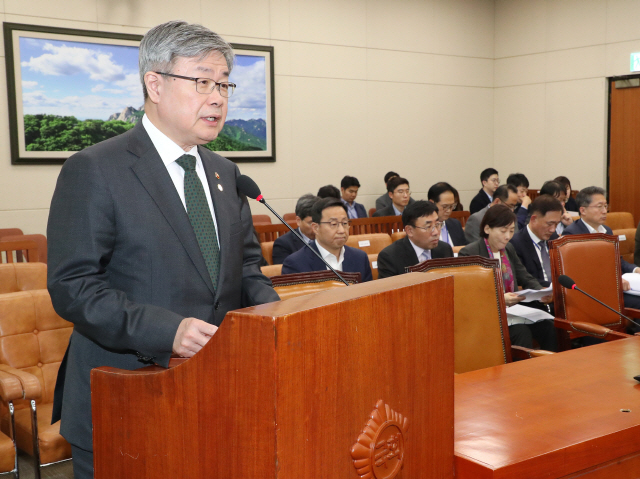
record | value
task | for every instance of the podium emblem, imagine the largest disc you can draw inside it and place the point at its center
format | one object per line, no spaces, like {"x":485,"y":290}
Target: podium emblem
{"x":379,"y":451}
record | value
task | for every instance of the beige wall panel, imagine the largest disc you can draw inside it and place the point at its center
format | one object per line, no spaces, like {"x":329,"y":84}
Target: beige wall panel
{"x":520,"y":27}
{"x":522,"y":70}
{"x":519,"y":132}
{"x":575,"y":23}
{"x":335,"y":22}
{"x":143,"y":13}
{"x":280,"y":19}
{"x":247,"y":18}
{"x":50,"y":22}
{"x":329,"y":131}
{"x":81,"y":10}
{"x":282,"y":206}
{"x":405,"y":26}
{"x":622,"y":20}
{"x":619,"y":57}
{"x":462,"y":71}
{"x":1,"y":7}
{"x":2,"y":36}
{"x":110,"y":27}
{"x":29,"y":221}
{"x":328,"y":61}
{"x":576,"y":63}
{"x":576,"y":131}
{"x":402,"y":67}
{"x":281,"y":57}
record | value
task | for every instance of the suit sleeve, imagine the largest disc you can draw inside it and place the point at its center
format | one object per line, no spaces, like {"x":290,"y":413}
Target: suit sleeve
{"x":368,"y":276}
{"x":81,"y":236}
{"x":280,"y":250}
{"x":524,"y":278}
{"x":626,"y":266}
{"x":471,"y":229}
{"x":290,"y":265}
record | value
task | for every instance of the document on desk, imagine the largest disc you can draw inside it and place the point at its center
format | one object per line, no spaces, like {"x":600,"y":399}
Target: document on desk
{"x":535,"y":294}
{"x":519,"y":314}
{"x":634,"y":282}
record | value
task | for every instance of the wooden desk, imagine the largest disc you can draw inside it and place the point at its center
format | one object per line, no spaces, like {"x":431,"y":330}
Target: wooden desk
{"x":552,"y":417}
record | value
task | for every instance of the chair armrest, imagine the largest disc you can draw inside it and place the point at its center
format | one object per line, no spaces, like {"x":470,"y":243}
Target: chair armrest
{"x":10,"y":387}
{"x":632,"y":313}
{"x":521,"y":352}
{"x":590,"y":329}
{"x":31,"y":388}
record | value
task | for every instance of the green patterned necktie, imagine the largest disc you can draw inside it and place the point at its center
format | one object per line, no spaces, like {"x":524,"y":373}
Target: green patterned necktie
{"x":200,"y":217}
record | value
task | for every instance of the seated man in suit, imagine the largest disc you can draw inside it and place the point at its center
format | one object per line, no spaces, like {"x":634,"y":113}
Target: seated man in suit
{"x":522,"y":185}
{"x":505,"y":195}
{"x":442,"y":194}
{"x":490,"y":181}
{"x":328,"y":191}
{"x":422,"y":242}
{"x":384,"y":200}
{"x":349,"y":189}
{"x":399,"y":194}
{"x":331,"y":227}
{"x":555,"y":189}
{"x":289,"y":243}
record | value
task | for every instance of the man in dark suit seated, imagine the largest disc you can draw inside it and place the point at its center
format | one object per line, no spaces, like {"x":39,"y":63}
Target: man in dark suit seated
{"x":504,"y":195}
{"x":384,"y":200}
{"x":331,"y":227}
{"x":289,"y":243}
{"x":422,"y":242}
{"x":349,"y":188}
{"x":442,"y":194}
{"x":399,"y":194}
{"x":490,"y":181}
{"x":521,"y":182}
{"x":555,"y":189}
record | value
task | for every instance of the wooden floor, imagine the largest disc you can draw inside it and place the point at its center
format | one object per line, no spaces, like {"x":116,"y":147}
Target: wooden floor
{"x":63,"y":470}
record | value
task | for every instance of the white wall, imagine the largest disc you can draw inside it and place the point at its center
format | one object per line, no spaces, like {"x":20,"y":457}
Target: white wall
{"x":362,"y":87}
{"x":551,"y":105}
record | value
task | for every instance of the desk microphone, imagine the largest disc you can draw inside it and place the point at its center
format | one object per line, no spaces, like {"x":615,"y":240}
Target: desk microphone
{"x":571,"y":284}
{"x":249,"y":188}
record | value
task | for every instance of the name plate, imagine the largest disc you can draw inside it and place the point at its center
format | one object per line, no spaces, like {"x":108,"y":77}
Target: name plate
{"x":622,"y":237}
{"x":364,"y":243}
{"x":374,"y":264}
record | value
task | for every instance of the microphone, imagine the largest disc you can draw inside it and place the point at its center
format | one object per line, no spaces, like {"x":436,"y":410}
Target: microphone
{"x":250,"y":189}
{"x":568,"y":283}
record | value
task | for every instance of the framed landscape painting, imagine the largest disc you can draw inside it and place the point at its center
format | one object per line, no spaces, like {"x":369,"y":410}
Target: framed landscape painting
{"x":70,"y":89}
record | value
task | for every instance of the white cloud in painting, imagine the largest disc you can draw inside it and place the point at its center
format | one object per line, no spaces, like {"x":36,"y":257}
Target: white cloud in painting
{"x":64,"y":60}
{"x":101,"y":87}
{"x":249,"y":99}
{"x":82,"y":107}
{"x":29,"y":84}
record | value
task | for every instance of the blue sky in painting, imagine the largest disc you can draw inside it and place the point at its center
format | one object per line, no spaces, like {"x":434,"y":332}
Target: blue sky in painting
{"x":250,"y":99}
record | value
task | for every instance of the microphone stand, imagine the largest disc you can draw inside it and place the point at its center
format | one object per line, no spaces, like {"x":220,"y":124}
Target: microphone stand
{"x":605,"y":305}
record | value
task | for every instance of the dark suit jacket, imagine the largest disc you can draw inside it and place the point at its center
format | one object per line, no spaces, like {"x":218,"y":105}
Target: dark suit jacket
{"x":454,"y":227}
{"x":304,"y":261}
{"x":387,"y":211}
{"x":360,"y":211}
{"x":520,"y":275}
{"x":528,"y":255}
{"x":285,"y":245}
{"x":479,"y":201}
{"x":384,"y":201}
{"x":579,"y":228}
{"x":125,"y":266}
{"x":393,"y":260}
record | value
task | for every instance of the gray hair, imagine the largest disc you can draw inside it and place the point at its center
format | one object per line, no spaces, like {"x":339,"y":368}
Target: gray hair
{"x":304,"y":206}
{"x":164,"y":44}
{"x":585,"y":195}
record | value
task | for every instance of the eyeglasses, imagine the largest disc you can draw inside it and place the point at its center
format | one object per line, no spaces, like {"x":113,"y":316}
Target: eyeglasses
{"x":449,"y":207}
{"x":604,"y":207}
{"x":334,"y":224}
{"x":207,"y":85}
{"x":434,"y":227}
{"x":494,"y":180}
{"x":403,"y":192}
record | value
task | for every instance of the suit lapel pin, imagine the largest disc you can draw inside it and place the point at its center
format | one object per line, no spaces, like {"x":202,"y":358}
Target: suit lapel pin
{"x":217,"y":175}
{"x":219,"y":186}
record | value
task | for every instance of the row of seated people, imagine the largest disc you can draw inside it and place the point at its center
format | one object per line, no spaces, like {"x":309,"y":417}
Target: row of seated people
{"x":523,"y":253}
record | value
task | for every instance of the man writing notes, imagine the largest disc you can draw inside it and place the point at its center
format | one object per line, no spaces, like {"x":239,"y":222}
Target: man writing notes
{"x":150,"y":243}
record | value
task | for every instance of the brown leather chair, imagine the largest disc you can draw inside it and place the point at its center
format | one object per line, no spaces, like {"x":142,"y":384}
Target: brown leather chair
{"x":10,"y":390}
{"x":620,"y":220}
{"x":593,"y":262}
{"x":33,"y":339}
{"x":370,"y":243}
{"x":371,"y":212}
{"x":261,"y":219}
{"x":289,"y":217}
{"x":461,"y":216}
{"x":8,"y":248}
{"x":299,"y":284}
{"x":397,"y":235}
{"x":41,"y":241}
{"x":373,"y":262}
{"x":627,"y":242}
{"x":22,"y":277}
{"x":481,"y":334}
{"x":272,"y":270}
{"x":267,"y":251}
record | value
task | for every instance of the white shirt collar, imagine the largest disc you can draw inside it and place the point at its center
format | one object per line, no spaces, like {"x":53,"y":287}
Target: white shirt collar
{"x":327,"y":255}
{"x":418,"y":250}
{"x":168,"y":150}
{"x":396,"y":210}
{"x":535,"y":239}
{"x":601,"y":229}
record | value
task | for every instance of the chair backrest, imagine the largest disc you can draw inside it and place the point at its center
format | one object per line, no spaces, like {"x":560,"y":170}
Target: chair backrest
{"x":271,"y":232}
{"x":373,"y":262}
{"x":10,"y":232}
{"x":16,"y":277}
{"x":461,"y":216}
{"x":620,"y":220}
{"x":8,"y":248}
{"x":40,"y":240}
{"x":593,"y":262}
{"x":627,"y":242}
{"x":267,"y":251}
{"x":289,"y":217}
{"x":261,"y":219}
{"x":380,"y":224}
{"x":272,"y":270}
{"x":481,"y":334}
{"x":371,"y":212}
{"x":371,"y":243}
{"x":33,"y":337}
{"x":299,"y":284}
{"x":397,"y":235}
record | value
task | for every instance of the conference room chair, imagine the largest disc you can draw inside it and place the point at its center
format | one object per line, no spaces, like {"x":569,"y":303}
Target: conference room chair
{"x":11,"y":232}
{"x":22,"y":277}
{"x":10,"y":390}
{"x":261,"y":219}
{"x":620,"y":220}
{"x":300,"y":284}
{"x":623,"y":226}
{"x":397,"y":235}
{"x":372,"y":211}
{"x":271,"y":270}
{"x":25,"y":250}
{"x":289,"y":217}
{"x":481,"y":335}
{"x":267,"y":251}
{"x":373,"y":262}
{"x":33,"y":340}
{"x":270,"y":232}
{"x":593,"y":262}
{"x":40,"y":240}
{"x":381,"y":224}
{"x":369,"y":243}
{"x":461,"y":216}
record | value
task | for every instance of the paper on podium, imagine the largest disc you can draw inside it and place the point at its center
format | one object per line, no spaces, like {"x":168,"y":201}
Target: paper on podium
{"x":634,"y":282}
{"x":535,"y":294}
{"x":524,"y":314}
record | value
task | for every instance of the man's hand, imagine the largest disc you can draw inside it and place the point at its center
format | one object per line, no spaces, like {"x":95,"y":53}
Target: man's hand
{"x":566,"y":219}
{"x":526,"y":201}
{"x":191,"y":336}
{"x":512,"y":298}
{"x":625,"y":285}
{"x":547,"y":299}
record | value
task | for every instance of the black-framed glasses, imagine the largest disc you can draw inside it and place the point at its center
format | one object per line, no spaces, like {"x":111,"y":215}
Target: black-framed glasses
{"x":207,"y":85}
{"x":449,"y":207}
{"x":334,"y":224}
{"x":434,"y":227}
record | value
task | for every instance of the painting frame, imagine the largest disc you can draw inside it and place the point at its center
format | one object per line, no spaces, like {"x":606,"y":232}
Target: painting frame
{"x":12,"y":32}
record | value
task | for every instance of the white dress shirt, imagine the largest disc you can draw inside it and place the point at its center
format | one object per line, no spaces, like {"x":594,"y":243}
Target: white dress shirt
{"x":601,"y":229}
{"x":444,"y":234}
{"x":336,"y":263}
{"x":420,"y":252}
{"x":169,"y":152}
{"x":536,"y":243}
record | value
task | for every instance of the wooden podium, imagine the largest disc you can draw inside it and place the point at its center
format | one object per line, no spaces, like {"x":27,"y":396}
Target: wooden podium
{"x":353,"y":382}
